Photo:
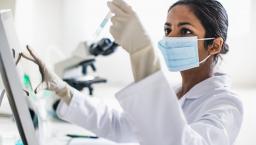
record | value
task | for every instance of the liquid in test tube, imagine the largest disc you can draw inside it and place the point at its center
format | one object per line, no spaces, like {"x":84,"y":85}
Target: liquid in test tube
{"x":102,"y":25}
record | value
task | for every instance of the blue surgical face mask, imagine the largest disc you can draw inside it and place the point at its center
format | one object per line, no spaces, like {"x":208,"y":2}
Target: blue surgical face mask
{"x":181,"y":53}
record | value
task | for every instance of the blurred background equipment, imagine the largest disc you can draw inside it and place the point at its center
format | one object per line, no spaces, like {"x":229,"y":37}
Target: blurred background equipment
{"x":103,"y":47}
{"x":82,"y":57}
{"x":74,"y":70}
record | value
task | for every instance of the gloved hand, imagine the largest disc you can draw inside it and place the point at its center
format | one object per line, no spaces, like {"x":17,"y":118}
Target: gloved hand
{"x":50,"y":80}
{"x":129,"y":33}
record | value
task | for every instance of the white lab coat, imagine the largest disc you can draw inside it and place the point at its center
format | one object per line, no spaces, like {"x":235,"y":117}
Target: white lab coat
{"x":209,"y":114}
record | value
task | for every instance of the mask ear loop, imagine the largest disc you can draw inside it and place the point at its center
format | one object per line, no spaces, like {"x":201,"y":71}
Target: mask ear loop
{"x":205,"y":59}
{"x":206,"y":39}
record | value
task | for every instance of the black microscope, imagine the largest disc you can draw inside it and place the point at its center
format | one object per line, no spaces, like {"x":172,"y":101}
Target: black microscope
{"x":102,"y":47}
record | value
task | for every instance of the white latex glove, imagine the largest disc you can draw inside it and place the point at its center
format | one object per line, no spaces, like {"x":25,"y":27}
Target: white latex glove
{"x":50,"y":80}
{"x":129,"y":33}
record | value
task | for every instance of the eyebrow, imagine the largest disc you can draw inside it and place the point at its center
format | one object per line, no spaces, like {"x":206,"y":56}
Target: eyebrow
{"x":180,"y":24}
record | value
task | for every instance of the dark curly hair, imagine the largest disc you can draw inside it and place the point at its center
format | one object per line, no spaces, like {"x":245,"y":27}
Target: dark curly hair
{"x":214,"y":19}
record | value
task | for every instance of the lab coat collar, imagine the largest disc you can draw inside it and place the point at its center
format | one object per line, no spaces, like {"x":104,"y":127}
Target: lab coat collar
{"x":218,"y":80}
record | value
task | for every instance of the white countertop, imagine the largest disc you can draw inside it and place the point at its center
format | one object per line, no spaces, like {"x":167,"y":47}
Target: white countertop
{"x":56,"y":130}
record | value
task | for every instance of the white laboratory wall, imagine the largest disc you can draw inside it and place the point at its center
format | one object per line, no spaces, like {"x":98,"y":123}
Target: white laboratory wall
{"x":7,"y":4}
{"x":38,"y":24}
{"x":240,"y":61}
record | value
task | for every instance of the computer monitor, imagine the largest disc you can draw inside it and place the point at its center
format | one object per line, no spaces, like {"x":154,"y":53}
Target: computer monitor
{"x":12,"y":80}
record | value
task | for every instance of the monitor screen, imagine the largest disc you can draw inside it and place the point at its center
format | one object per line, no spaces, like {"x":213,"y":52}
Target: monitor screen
{"x":12,"y":80}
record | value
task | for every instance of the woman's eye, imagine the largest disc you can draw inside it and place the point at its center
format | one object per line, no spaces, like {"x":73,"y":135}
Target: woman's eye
{"x":186,"y":32}
{"x":167,"y":31}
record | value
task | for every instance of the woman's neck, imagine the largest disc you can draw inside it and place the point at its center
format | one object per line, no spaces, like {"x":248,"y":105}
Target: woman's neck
{"x":192,"y":77}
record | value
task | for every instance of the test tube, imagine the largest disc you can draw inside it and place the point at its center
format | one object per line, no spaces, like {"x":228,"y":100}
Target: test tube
{"x":102,"y":25}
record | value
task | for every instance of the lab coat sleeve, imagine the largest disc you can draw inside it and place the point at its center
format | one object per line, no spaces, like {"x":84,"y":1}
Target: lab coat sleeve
{"x":97,"y":117}
{"x":154,"y":110}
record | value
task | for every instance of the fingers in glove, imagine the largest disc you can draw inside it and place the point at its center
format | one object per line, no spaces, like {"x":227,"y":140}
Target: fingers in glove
{"x":119,"y":23}
{"x":13,"y":53}
{"x":34,"y":55}
{"x":119,"y":19}
{"x":24,"y":56}
{"x":16,"y":56}
{"x":115,"y":33}
{"x":26,"y":91}
{"x":115,"y":9}
{"x":122,"y":5}
{"x":18,"y":59}
{"x":27,"y":57}
{"x":38,"y":62}
{"x":41,"y":86}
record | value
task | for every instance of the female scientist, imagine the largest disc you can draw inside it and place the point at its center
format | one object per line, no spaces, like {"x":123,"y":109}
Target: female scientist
{"x":203,"y":110}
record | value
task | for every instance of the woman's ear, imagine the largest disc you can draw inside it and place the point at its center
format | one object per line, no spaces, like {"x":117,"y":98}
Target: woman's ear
{"x":216,"y":46}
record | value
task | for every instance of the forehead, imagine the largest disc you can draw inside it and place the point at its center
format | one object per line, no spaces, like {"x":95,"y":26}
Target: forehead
{"x":182,"y":13}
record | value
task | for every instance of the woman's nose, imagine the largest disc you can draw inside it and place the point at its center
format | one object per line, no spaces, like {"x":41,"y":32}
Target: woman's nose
{"x":173,"y":33}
